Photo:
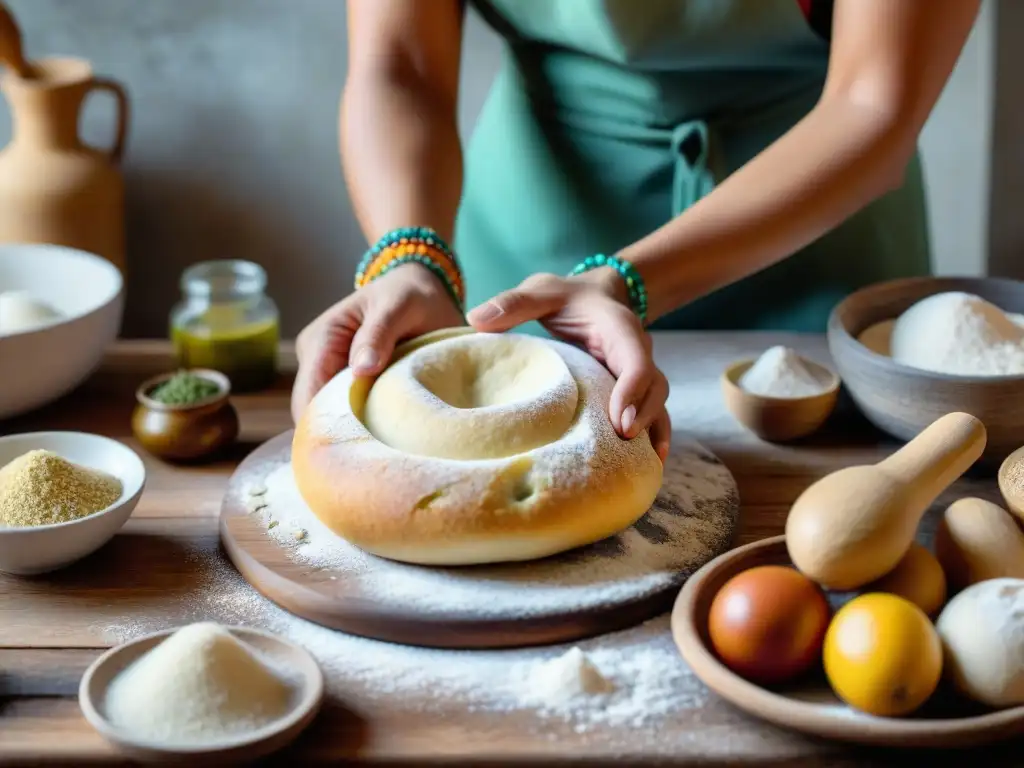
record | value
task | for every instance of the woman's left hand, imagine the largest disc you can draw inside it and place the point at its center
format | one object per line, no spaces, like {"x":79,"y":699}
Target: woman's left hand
{"x":592,"y":310}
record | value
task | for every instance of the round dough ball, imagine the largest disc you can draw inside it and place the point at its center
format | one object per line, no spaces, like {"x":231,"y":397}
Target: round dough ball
{"x":982,"y":632}
{"x":473,"y":448}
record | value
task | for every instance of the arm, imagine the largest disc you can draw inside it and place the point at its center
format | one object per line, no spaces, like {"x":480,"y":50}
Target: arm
{"x":890,"y":60}
{"x":399,"y":132}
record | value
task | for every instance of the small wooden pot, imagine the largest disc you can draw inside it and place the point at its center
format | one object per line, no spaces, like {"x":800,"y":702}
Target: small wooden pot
{"x":185,"y":432}
{"x":779,"y":419}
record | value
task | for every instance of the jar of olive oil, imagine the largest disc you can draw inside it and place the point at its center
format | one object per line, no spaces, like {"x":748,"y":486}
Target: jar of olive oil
{"x":226,"y":321}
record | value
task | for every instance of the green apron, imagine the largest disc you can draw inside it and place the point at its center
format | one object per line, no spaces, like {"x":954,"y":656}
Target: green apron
{"x":610,"y":117}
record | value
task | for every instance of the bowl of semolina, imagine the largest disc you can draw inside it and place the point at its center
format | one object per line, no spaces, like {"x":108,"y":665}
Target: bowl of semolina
{"x":63,"y":495}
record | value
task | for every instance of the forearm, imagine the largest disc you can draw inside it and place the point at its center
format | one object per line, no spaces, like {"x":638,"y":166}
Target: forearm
{"x":401,"y":153}
{"x":839,"y":158}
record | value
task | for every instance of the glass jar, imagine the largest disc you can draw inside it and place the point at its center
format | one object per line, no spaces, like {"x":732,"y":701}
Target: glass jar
{"x":226,"y":322}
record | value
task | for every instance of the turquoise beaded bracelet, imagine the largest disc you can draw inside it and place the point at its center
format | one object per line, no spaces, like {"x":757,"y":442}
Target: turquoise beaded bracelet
{"x":634,"y":282}
{"x":425,"y":235}
{"x":420,"y":245}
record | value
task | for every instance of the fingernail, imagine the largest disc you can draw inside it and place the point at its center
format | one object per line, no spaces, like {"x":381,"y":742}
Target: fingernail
{"x":485,"y":313}
{"x":662,"y":453}
{"x":365,"y":359}
{"x":628,"y":416}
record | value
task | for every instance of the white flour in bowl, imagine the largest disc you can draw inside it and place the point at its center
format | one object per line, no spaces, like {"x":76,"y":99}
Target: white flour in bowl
{"x":954,"y":333}
{"x":781,"y":372}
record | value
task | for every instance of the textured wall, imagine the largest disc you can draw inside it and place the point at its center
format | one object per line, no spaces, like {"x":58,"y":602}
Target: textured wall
{"x":233,"y":150}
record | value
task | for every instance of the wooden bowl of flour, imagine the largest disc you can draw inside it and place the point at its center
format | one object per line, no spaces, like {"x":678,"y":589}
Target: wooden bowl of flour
{"x":902,"y":400}
{"x":780,"y":419}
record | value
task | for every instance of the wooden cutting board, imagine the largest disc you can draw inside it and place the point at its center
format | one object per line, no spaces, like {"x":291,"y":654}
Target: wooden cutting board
{"x":291,"y":558}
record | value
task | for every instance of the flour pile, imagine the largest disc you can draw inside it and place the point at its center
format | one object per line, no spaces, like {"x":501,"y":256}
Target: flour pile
{"x":646,"y":681}
{"x":781,"y":372}
{"x":953,"y":333}
{"x":199,"y":684}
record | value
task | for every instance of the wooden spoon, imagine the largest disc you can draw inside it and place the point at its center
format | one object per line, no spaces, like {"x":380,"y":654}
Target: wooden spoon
{"x":11,"y":52}
{"x":853,"y":526}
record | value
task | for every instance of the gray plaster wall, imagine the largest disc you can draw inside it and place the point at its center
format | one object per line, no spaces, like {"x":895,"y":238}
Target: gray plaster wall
{"x":233,"y":150}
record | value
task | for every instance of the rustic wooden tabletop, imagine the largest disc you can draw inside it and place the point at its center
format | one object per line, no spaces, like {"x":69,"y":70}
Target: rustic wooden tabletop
{"x":52,"y":627}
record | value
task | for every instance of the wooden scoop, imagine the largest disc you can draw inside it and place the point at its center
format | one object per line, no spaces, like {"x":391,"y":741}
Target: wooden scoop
{"x":11,"y":52}
{"x":853,"y":526}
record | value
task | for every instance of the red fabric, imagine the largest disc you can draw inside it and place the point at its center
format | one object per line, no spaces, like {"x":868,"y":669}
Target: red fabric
{"x":805,"y":6}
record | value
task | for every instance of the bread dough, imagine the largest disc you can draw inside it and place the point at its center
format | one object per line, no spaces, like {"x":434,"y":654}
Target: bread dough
{"x":476,"y":448}
{"x":982,"y":632}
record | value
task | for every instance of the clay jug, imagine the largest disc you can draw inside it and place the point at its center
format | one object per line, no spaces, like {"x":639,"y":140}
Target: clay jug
{"x":53,"y":187}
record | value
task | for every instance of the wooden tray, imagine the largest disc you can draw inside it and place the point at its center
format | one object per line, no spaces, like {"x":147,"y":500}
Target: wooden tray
{"x":809,"y":705}
{"x":508,"y":605}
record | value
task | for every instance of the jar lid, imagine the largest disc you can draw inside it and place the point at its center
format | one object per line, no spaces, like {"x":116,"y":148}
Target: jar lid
{"x":224,"y":280}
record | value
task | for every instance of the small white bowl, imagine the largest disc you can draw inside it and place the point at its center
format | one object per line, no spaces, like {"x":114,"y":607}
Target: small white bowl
{"x":39,"y":549}
{"x":50,"y":361}
{"x":243,"y":748}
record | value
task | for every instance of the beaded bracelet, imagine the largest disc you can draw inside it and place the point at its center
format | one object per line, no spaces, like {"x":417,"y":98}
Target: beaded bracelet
{"x":634,"y":282}
{"x":419,"y":245}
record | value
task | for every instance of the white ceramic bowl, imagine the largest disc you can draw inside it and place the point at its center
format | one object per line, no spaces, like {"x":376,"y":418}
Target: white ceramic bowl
{"x":33,"y":550}
{"x":40,"y":365}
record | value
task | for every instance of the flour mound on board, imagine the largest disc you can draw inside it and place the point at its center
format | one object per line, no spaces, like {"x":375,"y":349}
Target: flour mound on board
{"x":961,"y":334}
{"x":781,"y":372}
{"x":199,"y":684}
{"x":569,"y":676}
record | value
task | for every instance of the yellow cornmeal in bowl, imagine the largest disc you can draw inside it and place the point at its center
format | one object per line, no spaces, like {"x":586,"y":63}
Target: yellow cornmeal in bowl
{"x":42,"y":488}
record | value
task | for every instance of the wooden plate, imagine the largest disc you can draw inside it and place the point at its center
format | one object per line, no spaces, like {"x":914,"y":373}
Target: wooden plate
{"x":616,"y":583}
{"x":308,"y":696}
{"x":809,"y":705}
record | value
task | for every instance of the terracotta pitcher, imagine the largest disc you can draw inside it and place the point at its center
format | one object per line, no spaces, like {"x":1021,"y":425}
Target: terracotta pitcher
{"x":53,"y":187}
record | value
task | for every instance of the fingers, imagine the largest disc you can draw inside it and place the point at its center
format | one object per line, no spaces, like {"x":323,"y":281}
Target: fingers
{"x":629,"y":360}
{"x":536,"y":297}
{"x":653,"y":403}
{"x":661,"y":434}
{"x":322,"y":351}
{"x":384,"y":324}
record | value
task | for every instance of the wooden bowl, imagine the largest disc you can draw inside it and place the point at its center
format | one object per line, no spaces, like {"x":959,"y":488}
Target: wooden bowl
{"x":778,"y":419}
{"x":236,"y":749}
{"x":185,"y":432}
{"x":902,"y":400}
{"x":809,"y":705}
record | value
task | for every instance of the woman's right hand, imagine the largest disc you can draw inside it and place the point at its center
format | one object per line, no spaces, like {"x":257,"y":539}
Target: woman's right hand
{"x":362,"y":330}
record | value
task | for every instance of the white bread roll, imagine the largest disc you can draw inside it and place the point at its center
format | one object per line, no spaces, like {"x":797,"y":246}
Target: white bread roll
{"x":473,"y":448}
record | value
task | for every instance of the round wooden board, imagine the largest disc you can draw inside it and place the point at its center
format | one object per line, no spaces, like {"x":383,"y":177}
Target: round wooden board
{"x":610,"y":585}
{"x":809,"y":705}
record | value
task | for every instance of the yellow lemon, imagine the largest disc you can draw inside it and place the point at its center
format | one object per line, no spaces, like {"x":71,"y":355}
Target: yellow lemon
{"x":882,"y":655}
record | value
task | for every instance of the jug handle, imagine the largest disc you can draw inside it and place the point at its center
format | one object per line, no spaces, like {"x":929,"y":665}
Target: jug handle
{"x":113,"y":87}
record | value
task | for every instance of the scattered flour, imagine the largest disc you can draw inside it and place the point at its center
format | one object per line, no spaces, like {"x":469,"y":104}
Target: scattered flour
{"x":692,"y":521}
{"x":200,"y":684}
{"x":647,"y":681}
{"x":781,"y":372}
{"x":953,"y":333}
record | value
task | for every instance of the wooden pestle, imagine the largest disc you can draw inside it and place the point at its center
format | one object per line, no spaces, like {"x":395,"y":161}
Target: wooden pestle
{"x":853,"y":526}
{"x":11,"y":52}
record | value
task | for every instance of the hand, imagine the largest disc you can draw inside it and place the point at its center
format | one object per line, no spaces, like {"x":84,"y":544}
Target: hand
{"x":363,"y":329}
{"x":592,"y":310}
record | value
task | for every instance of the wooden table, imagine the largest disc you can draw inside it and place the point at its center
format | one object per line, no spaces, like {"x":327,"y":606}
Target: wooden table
{"x":48,"y":625}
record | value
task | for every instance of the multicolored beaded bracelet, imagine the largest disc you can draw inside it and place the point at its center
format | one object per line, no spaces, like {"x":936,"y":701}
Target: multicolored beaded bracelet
{"x":634,"y":282}
{"x":420,"y":245}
